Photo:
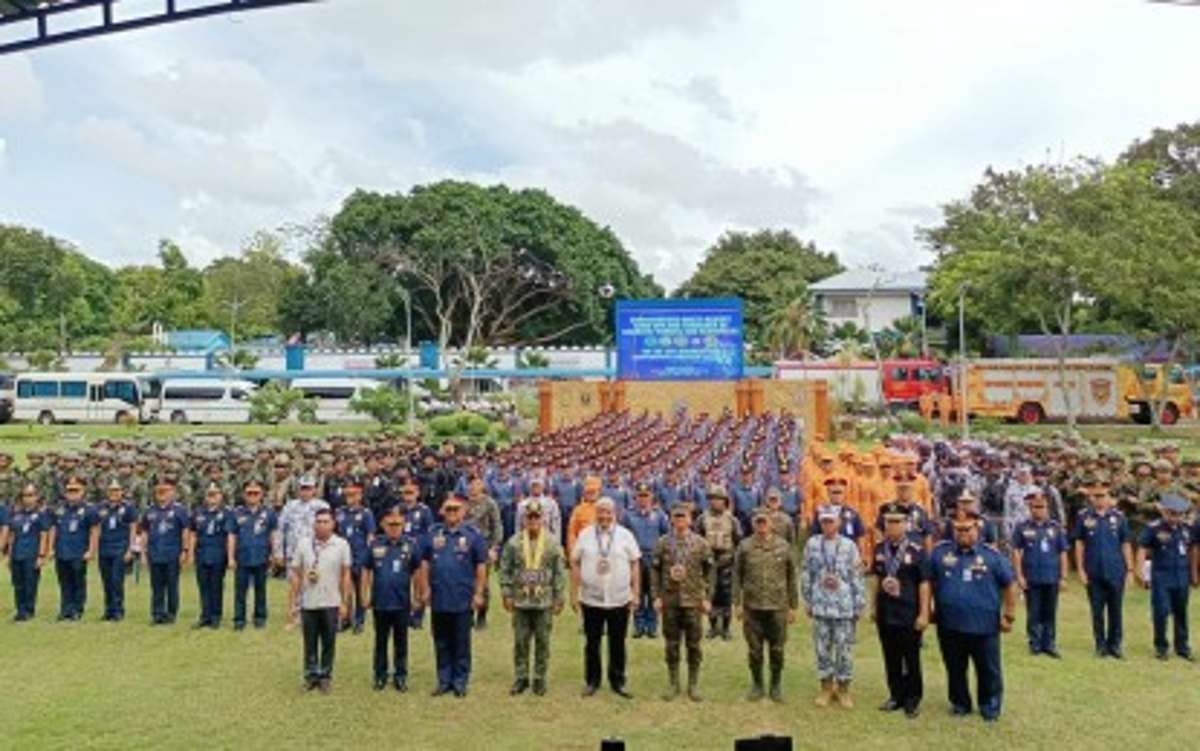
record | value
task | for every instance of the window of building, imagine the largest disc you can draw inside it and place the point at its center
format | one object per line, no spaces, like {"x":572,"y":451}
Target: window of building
{"x":843,"y":307}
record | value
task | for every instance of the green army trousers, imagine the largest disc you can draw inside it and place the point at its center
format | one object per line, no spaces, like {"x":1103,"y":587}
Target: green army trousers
{"x":768,"y":626}
{"x":531,"y":625}
{"x":683,"y":623}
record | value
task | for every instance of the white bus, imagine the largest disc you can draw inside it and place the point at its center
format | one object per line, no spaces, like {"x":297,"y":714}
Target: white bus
{"x":202,"y":400}
{"x":333,"y":396}
{"x":49,"y":398}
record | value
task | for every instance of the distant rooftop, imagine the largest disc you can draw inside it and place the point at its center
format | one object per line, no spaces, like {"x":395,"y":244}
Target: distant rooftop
{"x":864,"y":280}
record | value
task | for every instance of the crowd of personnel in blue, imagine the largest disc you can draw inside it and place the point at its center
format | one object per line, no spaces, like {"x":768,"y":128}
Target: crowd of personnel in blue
{"x":425,"y":527}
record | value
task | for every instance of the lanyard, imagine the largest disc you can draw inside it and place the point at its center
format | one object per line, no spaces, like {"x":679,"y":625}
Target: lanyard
{"x":604,"y":550}
{"x":891,"y":558}
{"x":829,"y":562}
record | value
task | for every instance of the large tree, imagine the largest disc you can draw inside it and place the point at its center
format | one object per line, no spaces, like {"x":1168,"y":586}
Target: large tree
{"x":763,"y":268}
{"x":244,"y":293}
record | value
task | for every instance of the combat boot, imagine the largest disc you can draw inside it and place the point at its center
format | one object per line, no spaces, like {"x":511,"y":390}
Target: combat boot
{"x":826,"y":696}
{"x":756,"y":683}
{"x":842,"y":695}
{"x":672,"y":683}
{"x":693,"y":690}
{"x":714,"y":628}
{"x":725,"y":619}
{"x":776,"y":685}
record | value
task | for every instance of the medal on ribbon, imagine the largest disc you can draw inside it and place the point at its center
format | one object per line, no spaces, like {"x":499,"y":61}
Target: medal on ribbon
{"x":829,"y":565}
{"x":678,"y":572}
{"x":313,"y":574}
{"x":603,"y":566}
{"x":891,"y":567}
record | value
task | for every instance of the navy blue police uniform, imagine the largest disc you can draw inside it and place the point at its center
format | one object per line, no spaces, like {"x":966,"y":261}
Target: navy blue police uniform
{"x":164,"y":526}
{"x":967,"y":593}
{"x":28,"y":529}
{"x":73,"y":525}
{"x":392,"y":564}
{"x":1168,"y":548}
{"x":1103,"y":536}
{"x":253,"y":529}
{"x":211,"y":528}
{"x":1042,"y":545}
{"x":357,"y":525}
{"x":418,"y":520}
{"x":453,"y":556}
{"x":900,"y":569}
{"x":115,"y":521}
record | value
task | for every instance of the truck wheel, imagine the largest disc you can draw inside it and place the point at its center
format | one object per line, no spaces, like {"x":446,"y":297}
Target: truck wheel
{"x":46,"y":418}
{"x":1030,"y":413}
{"x":1170,"y":414}
{"x":178,"y":418}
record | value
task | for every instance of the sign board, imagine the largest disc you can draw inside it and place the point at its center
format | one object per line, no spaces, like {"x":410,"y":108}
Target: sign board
{"x":679,"y":340}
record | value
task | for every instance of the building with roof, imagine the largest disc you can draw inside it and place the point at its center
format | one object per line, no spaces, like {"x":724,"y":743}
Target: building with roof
{"x":871,"y":298}
{"x":197,"y":340}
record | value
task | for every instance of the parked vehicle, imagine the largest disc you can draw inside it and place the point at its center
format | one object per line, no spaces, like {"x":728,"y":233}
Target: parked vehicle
{"x":202,"y":400}
{"x":904,"y":381}
{"x":51,"y":398}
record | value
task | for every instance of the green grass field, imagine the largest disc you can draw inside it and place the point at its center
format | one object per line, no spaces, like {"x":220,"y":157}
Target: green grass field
{"x":128,"y":685}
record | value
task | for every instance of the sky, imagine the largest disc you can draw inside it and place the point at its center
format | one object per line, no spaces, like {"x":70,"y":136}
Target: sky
{"x":849,"y":122}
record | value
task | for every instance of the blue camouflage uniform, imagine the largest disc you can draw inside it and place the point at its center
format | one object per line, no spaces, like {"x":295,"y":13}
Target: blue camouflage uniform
{"x":1168,"y":548}
{"x":1041,"y":545}
{"x":357,"y":525}
{"x":392,"y":564}
{"x":164,"y":526}
{"x":73,"y":525}
{"x":254,"y":529}
{"x":850,"y":525}
{"x":453,"y":556}
{"x":967,"y":594}
{"x":1103,"y":535}
{"x":115,"y":521}
{"x":211,"y":528}
{"x":646,"y":526}
{"x":27,"y":529}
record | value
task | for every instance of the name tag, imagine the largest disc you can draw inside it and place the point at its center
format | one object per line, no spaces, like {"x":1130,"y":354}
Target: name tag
{"x":966,"y":574}
{"x":112,"y":522}
{"x":396,"y":566}
{"x":1045,"y":546}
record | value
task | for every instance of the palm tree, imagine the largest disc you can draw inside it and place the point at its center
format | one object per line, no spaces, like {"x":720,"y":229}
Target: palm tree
{"x":797,"y":327}
{"x":902,"y":338}
{"x":849,"y":336}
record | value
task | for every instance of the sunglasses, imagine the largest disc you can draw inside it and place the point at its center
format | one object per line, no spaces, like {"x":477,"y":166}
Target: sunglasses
{"x":254,"y":492}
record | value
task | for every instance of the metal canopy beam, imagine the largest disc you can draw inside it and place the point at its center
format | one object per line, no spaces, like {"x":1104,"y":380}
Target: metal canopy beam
{"x":37,"y":14}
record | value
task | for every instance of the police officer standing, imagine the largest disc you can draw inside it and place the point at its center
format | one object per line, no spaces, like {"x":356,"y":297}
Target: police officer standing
{"x":457,"y":557}
{"x":117,"y":520}
{"x":165,"y":525}
{"x":208,"y":549}
{"x":1167,"y":544}
{"x":974,"y":601}
{"x":394,"y":581}
{"x":1039,"y":556}
{"x":533,"y":583}
{"x":29,"y":544}
{"x":357,"y":525}
{"x":902,"y":592}
{"x":73,"y":541}
{"x":765,"y":597}
{"x":648,"y":523}
{"x":682,"y":581}
{"x":253,"y":537}
{"x":1104,"y":560}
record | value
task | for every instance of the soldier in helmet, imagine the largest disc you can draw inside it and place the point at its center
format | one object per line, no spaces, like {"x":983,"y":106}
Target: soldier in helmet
{"x":721,"y":529}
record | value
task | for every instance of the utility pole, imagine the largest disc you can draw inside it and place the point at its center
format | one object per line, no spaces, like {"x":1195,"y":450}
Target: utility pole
{"x":962,"y":361}
{"x":234,"y":306}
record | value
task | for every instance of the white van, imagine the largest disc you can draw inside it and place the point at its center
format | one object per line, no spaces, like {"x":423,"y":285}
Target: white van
{"x":333,"y":396}
{"x":203,"y":400}
{"x":78,"y":397}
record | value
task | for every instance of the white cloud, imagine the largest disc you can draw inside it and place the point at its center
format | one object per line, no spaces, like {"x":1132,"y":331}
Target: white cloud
{"x":21,"y":96}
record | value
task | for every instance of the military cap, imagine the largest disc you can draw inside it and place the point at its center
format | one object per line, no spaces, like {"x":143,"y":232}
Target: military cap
{"x":760,"y":513}
{"x":829,"y":511}
{"x":893,"y":512}
{"x":1162,"y":465}
{"x":717,"y":491}
{"x":215,"y":488}
{"x":1089,"y":479}
{"x":642,"y":487}
{"x":967,"y":513}
{"x":1034,"y":492}
{"x":307,"y":481}
{"x":455,"y":501}
{"x":532,"y":508}
{"x":1174,"y":502}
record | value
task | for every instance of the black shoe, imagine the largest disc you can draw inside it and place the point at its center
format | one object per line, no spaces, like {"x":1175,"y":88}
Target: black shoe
{"x":358,"y":628}
{"x":912,"y":711}
{"x":197,"y":625}
{"x":1115,"y":653}
{"x":310,"y":684}
{"x":990,"y":718}
{"x":622,"y":692}
{"x":106,"y":617}
{"x":440,"y":691}
{"x":239,"y":627}
{"x":590,"y":690}
{"x":400,"y":684}
{"x":958,"y":711}
{"x":1162,"y":655}
{"x":62,"y":617}
{"x":1101,"y":652}
{"x":379,"y":684}
{"x":170,"y":620}
{"x":460,"y":693}
{"x":520,"y":686}
{"x":1035,"y":651}
{"x":1187,"y":656}
{"x":891,"y":705}
{"x":638,"y":634}
{"x":539,"y":687}
{"x":652,"y":634}
{"x":1052,"y":652}
{"x":260,"y":624}
{"x":325,"y":685}
{"x":214,"y":625}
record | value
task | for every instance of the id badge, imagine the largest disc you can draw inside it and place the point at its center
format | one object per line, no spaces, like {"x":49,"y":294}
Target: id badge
{"x":112,"y":522}
{"x":396,"y":566}
{"x":966,"y":574}
{"x":1045,"y":545}
{"x":72,"y":526}
{"x":1182,"y":549}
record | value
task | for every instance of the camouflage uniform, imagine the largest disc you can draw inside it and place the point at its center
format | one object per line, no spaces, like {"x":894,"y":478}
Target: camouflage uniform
{"x":831,"y":582}
{"x":484,"y":515}
{"x":723,"y":532}
{"x":11,"y":482}
{"x":536,"y":594}
{"x":682,"y":577}
{"x":781,"y":524}
{"x":764,"y":586}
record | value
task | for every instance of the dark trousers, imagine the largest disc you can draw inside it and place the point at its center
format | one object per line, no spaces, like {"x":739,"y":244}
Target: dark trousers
{"x":242,"y":579}
{"x":72,"y":587}
{"x":319,"y":627}
{"x":981,"y":650}
{"x":360,"y":613}
{"x":902,"y":661}
{"x":1105,"y":598}
{"x":25,"y":578}
{"x":597,"y":621}
{"x":645,"y":620}
{"x":393,"y":625}
{"x":210,"y":580}
{"x":164,"y":590}
{"x":1041,"y":615}
{"x":452,"y":649}
{"x":112,"y":575}
{"x":1170,"y":602}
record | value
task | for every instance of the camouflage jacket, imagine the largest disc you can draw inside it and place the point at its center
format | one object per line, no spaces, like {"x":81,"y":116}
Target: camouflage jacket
{"x":764,"y":574}
{"x":536,"y":588}
{"x":682,"y":572}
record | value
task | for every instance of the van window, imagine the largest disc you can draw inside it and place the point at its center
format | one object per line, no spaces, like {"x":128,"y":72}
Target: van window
{"x":194,"y":393}
{"x":37,"y":389}
{"x":327,"y":392}
{"x":929,"y":374}
{"x":126,"y":391}
{"x":899,"y":374}
{"x":239,"y":394}
{"x":74,"y":389}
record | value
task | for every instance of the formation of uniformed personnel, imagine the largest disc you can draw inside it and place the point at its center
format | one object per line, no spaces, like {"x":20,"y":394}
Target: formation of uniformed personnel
{"x":766,"y":597}
{"x":831,"y":583}
{"x":1039,"y":550}
{"x":394,"y":580}
{"x":1167,"y":544}
{"x":901,"y":609}
{"x":533,"y":584}
{"x":682,"y":582}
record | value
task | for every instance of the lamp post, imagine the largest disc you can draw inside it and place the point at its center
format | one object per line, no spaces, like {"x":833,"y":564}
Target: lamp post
{"x":962,"y":360}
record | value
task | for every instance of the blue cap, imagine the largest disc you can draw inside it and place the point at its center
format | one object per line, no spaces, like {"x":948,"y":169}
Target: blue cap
{"x":1175,"y":502}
